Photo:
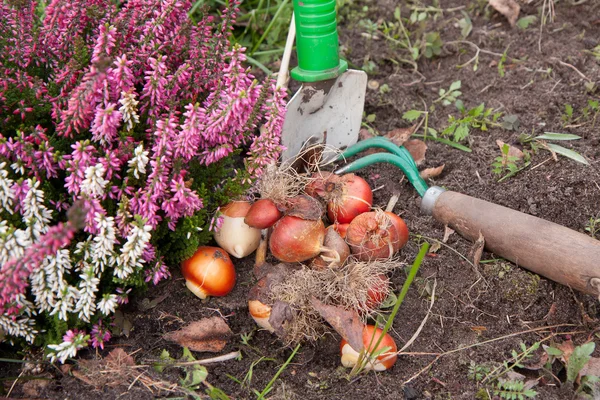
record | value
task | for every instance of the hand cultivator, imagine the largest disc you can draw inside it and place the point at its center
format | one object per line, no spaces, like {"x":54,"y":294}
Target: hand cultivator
{"x":548,"y":249}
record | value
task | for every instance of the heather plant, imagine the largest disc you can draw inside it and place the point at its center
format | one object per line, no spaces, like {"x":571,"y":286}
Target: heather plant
{"x":123,"y":127}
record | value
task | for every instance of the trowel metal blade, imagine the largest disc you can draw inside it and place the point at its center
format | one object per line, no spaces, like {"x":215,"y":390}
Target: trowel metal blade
{"x":328,"y":112}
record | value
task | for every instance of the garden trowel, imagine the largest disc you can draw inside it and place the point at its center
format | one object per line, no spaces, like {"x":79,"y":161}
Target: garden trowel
{"x":328,"y":107}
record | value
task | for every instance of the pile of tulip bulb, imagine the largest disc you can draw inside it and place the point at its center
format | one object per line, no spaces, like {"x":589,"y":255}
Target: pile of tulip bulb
{"x":327,"y":227}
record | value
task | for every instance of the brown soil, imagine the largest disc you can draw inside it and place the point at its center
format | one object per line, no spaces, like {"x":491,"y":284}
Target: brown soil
{"x":471,"y":306}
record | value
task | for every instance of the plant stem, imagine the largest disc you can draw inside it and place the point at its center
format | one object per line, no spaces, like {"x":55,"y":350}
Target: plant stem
{"x":270,"y":26}
{"x":267,"y":388}
{"x":409,"y":279}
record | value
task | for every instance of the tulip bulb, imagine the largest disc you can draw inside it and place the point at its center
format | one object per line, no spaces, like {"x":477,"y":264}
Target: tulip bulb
{"x":235,"y":236}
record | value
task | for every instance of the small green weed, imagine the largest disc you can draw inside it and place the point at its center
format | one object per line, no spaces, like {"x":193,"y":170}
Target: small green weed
{"x":541,"y":142}
{"x":593,"y":226}
{"x":477,"y":371}
{"x":195,"y":374}
{"x":447,"y":97}
{"x":477,"y":117}
{"x":508,"y":165}
{"x":575,"y":363}
{"x":493,"y":381}
{"x":513,"y":390}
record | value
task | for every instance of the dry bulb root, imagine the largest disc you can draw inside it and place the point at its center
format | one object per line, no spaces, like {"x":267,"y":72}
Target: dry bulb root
{"x":351,"y":287}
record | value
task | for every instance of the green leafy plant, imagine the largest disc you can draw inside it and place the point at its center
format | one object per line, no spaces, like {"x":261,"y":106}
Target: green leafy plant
{"x":567,"y":116}
{"x":509,"y":165}
{"x":513,"y":390}
{"x":367,"y":123}
{"x":515,"y":361}
{"x":465,"y":25}
{"x":477,"y":371}
{"x":432,"y":44}
{"x":447,"y":97}
{"x":429,"y":132}
{"x":524,"y":22}
{"x":477,"y":117}
{"x":541,"y":142}
{"x":195,"y":374}
{"x":575,"y":363}
{"x":593,"y":226}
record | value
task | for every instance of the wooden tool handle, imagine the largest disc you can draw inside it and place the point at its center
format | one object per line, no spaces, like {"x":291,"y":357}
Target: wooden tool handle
{"x":554,"y":251}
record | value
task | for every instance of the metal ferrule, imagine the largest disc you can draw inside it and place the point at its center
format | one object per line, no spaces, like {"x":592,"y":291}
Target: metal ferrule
{"x":429,"y":199}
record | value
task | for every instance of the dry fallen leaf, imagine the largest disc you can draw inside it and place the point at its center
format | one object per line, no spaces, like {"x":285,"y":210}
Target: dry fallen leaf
{"x":281,"y":312}
{"x":591,"y":368}
{"x":428,"y":173}
{"x":207,"y":334}
{"x":417,"y":149}
{"x":399,"y":136}
{"x":364,"y":134}
{"x":512,"y":150}
{"x":477,"y":250}
{"x":509,"y":8}
{"x":118,"y":358}
{"x":447,"y":232}
{"x":346,"y":323}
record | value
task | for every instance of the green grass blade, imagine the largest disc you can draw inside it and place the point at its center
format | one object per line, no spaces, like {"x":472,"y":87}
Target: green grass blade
{"x":557,"y":136}
{"x":258,"y":64}
{"x":447,"y":142}
{"x":270,"y":26}
{"x":269,"y":386}
{"x":411,"y":276}
{"x":573,"y":155}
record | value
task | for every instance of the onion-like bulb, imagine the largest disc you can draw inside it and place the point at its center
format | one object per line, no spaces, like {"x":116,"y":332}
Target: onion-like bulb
{"x":372,"y":235}
{"x":261,"y":313}
{"x":235,"y":236}
{"x":371,"y":335}
{"x":401,"y":228}
{"x":295,"y":239}
{"x":263,"y":214}
{"x":209,"y":272}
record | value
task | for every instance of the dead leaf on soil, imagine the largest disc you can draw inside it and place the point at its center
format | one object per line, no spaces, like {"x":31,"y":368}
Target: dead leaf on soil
{"x":567,"y":348}
{"x":399,"y":136}
{"x":447,"y":232}
{"x":509,"y":8}
{"x":417,"y":149}
{"x":538,"y":365}
{"x":118,"y":358}
{"x":364,"y":134}
{"x":428,"y":173}
{"x":207,"y":334}
{"x":591,"y":368}
{"x":281,"y":312}
{"x":477,"y":250}
{"x":34,"y":387}
{"x":346,"y":323}
{"x":512,"y":150}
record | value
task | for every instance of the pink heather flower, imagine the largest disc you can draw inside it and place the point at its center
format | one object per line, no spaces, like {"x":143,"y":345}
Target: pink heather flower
{"x":154,"y":89}
{"x":267,"y":147}
{"x":183,"y":203}
{"x":106,"y":122}
{"x":99,"y":335}
{"x":123,"y":295}
{"x":216,"y":221}
{"x":120,"y":76}
{"x":105,"y":43}
{"x":160,"y":94}
{"x":157,"y":272}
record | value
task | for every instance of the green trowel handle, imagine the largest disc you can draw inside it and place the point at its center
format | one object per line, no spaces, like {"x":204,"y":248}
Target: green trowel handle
{"x":317,"y":41}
